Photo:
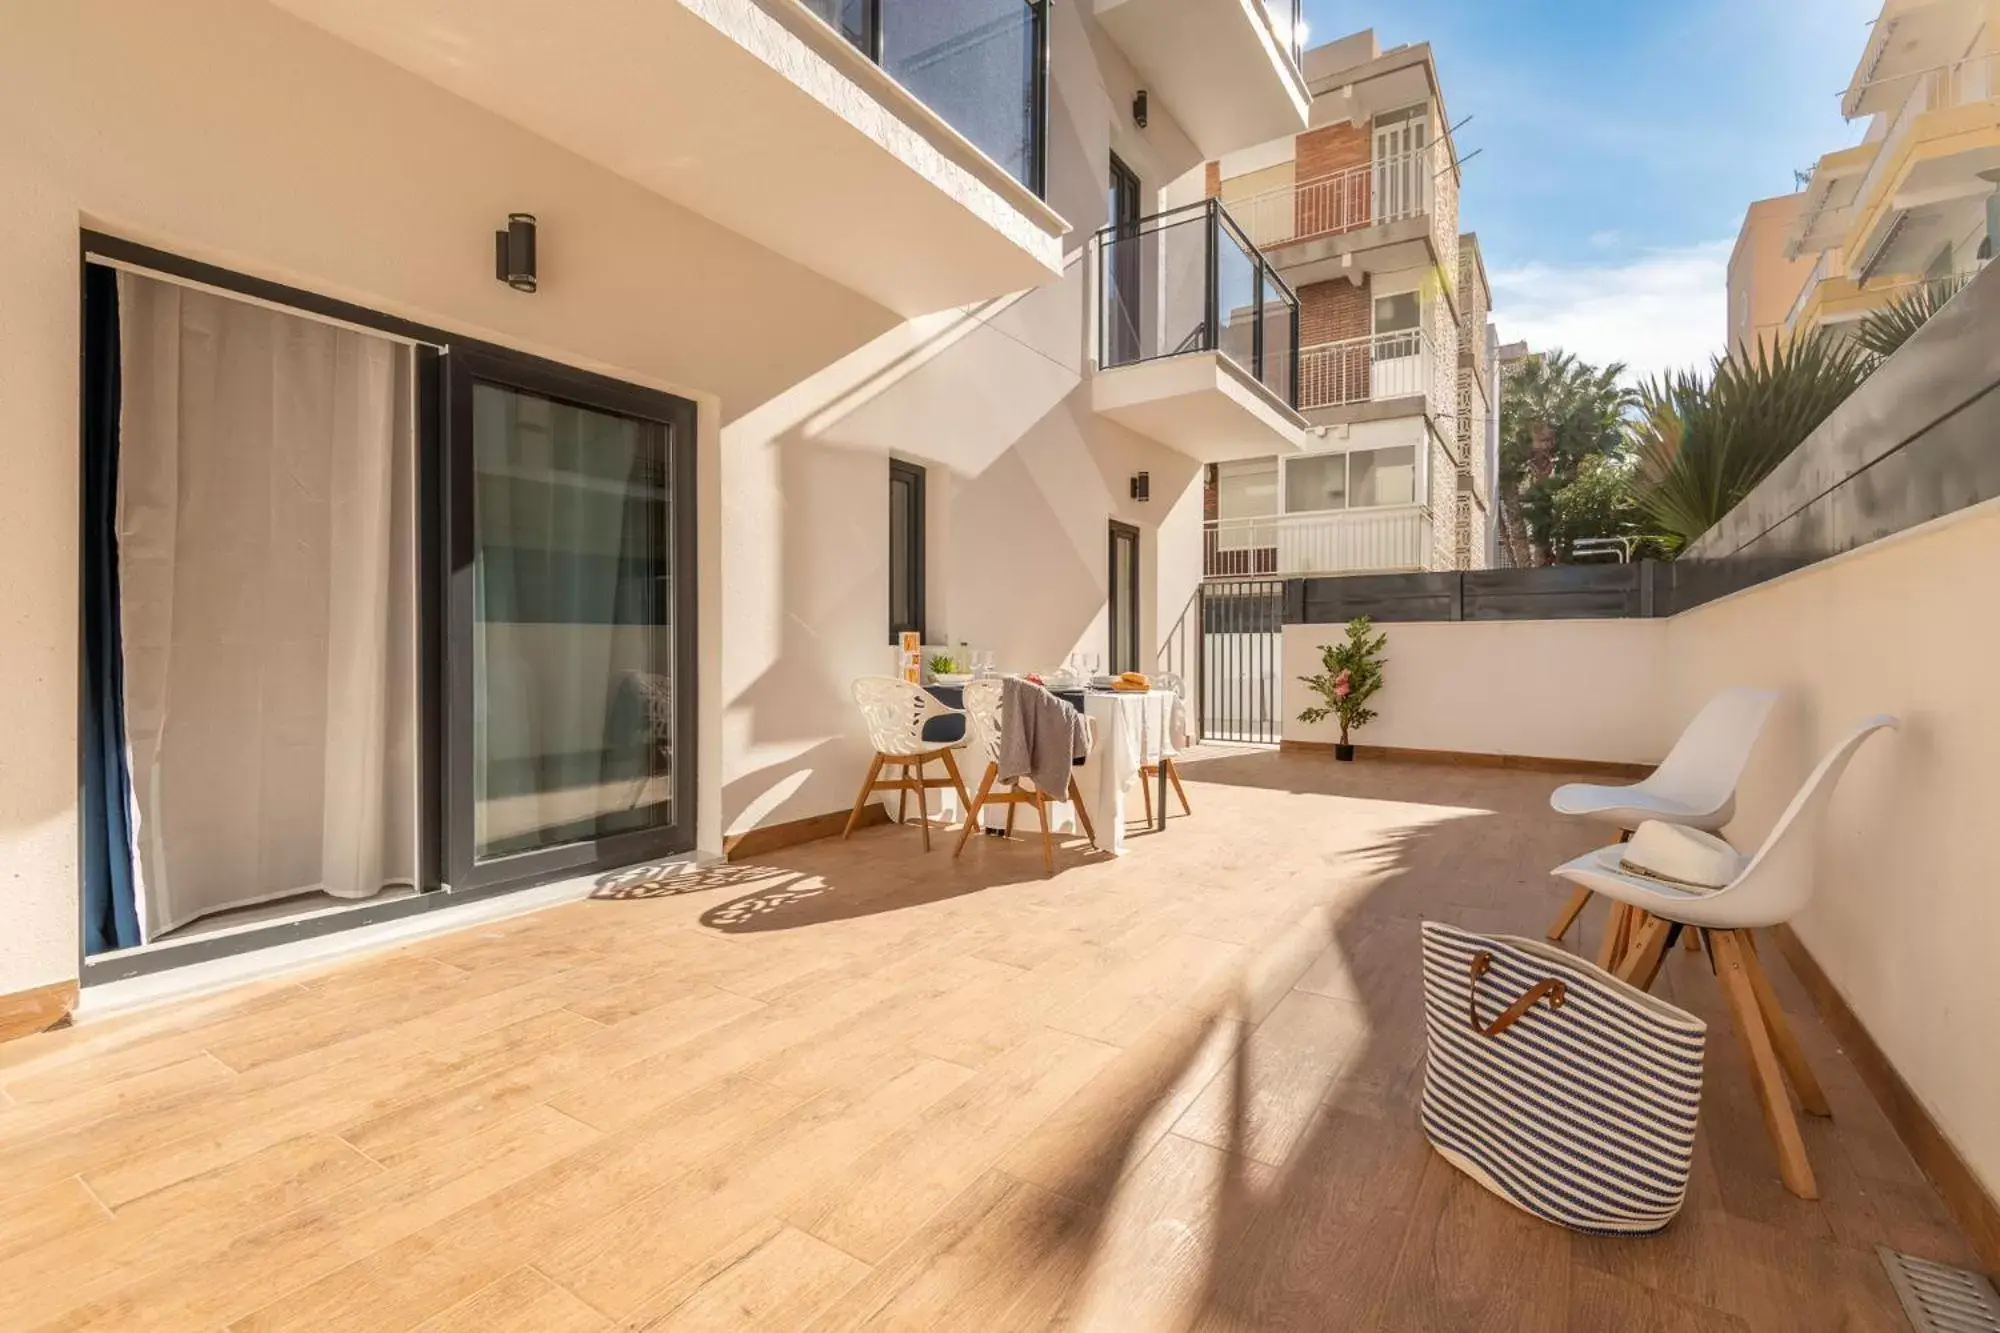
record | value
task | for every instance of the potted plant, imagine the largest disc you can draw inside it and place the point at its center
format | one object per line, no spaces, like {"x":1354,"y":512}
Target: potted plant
{"x":1351,"y":673}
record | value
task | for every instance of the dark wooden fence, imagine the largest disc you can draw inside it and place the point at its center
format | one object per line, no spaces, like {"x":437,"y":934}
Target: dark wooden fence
{"x":1561,"y":592}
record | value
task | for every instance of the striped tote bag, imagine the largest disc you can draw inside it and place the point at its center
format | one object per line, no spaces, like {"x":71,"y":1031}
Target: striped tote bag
{"x":1560,"y":1088}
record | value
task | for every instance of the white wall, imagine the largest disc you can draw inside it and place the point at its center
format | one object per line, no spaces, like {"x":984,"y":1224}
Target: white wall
{"x":1553,"y":689}
{"x":1023,"y":479}
{"x":228,"y":132}
{"x":1908,"y":903}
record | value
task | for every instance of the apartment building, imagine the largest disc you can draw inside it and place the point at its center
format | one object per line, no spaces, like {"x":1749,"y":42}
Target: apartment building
{"x":1359,"y":215}
{"x":1764,"y":280}
{"x":1914,"y":201}
{"x":464,"y":448}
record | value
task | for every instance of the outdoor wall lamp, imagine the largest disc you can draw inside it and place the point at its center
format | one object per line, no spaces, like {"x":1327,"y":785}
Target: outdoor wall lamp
{"x":514,"y":252}
{"x":1139,"y":108}
{"x":1142,"y":486}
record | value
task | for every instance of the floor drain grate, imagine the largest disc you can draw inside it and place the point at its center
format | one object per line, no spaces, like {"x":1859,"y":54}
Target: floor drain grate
{"x":1941,"y":1299}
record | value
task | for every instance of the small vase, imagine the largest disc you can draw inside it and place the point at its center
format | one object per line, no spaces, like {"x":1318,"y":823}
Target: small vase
{"x":1344,"y":753}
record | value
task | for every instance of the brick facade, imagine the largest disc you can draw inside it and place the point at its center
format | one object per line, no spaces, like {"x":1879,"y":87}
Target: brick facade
{"x":1334,"y":311}
{"x":1212,"y":180}
{"x":1322,"y":152}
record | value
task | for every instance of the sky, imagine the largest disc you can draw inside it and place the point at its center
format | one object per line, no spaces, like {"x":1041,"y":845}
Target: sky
{"x":1618,"y":143}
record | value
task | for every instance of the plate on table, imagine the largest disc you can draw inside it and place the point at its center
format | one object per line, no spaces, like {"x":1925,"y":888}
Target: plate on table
{"x":1103,"y":682}
{"x":953,"y":678}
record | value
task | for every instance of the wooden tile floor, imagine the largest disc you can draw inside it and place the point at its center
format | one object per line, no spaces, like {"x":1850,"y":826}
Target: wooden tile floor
{"x":862,"y":1087}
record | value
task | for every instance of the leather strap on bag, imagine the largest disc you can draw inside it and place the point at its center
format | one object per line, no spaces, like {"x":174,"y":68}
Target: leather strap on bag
{"x":1549,"y":988}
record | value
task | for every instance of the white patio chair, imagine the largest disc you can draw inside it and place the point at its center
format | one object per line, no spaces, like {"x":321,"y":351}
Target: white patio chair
{"x":1771,"y":887}
{"x":1165,"y":680}
{"x":895,"y":713}
{"x":1695,"y":786}
{"x":983,"y":722}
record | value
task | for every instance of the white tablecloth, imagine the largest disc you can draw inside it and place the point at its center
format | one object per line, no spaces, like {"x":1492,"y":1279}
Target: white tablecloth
{"x":1132,"y":730}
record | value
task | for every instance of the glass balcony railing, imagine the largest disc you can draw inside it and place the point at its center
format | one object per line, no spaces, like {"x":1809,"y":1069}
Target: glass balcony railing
{"x":980,"y":64}
{"x":1189,"y":280}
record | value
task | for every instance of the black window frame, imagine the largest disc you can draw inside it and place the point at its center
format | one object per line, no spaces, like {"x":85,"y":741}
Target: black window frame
{"x":1125,"y":289}
{"x":1115,"y":660}
{"x":440,"y":504}
{"x":913,"y":479}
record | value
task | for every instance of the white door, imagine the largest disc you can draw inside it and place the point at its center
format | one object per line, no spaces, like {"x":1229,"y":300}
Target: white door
{"x":1401,"y":165}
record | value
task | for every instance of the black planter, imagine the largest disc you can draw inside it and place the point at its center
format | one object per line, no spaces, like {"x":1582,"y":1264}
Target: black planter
{"x":1344,"y":753}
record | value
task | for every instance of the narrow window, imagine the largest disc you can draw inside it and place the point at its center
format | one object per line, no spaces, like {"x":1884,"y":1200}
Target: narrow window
{"x":1124,"y":608}
{"x":906,"y":548}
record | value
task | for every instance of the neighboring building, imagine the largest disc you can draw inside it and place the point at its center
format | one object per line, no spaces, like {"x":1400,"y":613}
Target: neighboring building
{"x":1914,"y":201}
{"x":1505,"y":551}
{"x":1359,"y":214}
{"x":406,"y":585}
{"x":1764,"y":280}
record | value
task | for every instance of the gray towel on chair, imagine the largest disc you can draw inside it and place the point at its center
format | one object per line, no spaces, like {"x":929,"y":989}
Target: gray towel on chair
{"x":1039,"y":736}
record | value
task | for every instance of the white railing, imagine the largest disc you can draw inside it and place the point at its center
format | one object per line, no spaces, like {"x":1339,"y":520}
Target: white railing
{"x":1343,"y":541}
{"x":1385,"y":190}
{"x":1959,"y":84}
{"x":1363,"y":370}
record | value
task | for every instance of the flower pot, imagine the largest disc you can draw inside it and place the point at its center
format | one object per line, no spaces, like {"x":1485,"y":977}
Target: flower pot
{"x":1344,"y":753}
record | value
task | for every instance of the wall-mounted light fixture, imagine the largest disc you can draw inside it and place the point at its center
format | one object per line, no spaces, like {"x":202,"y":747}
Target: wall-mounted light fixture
{"x":1142,"y":486}
{"x":514,"y":252}
{"x":1139,"y":108}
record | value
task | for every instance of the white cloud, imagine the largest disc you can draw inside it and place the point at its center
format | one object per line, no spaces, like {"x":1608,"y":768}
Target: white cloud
{"x":1666,"y":310}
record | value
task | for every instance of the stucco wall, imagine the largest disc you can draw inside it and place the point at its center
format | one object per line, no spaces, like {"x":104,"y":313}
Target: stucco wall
{"x":1557,"y":689}
{"x":1907,"y":908}
{"x":229,"y":132}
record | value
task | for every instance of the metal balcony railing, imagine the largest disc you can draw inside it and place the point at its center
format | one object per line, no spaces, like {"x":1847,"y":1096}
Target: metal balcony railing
{"x":1365,"y":370}
{"x":983,"y":65}
{"x":1340,"y":541}
{"x":1390,"y":188}
{"x":1288,"y":23}
{"x":1189,"y":280}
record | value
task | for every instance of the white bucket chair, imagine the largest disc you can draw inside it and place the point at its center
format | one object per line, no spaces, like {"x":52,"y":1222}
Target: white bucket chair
{"x":895,"y":713}
{"x":983,"y":721}
{"x":1695,"y":786}
{"x":1770,"y":888}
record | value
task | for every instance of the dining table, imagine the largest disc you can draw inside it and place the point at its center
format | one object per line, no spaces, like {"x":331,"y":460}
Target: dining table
{"x":1132,"y":730}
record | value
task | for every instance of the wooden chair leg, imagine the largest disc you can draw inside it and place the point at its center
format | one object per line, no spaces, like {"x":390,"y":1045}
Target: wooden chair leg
{"x":1691,"y":940}
{"x":1570,"y":912}
{"x":1174,"y":776}
{"x":1613,"y":948}
{"x":1146,"y":790}
{"x":1784,"y":1042}
{"x":867,"y":786}
{"x":1082,"y":815}
{"x":1732,"y":970}
{"x":972,"y":809}
{"x":957,"y":783}
{"x":1048,"y":835}
{"x":923,"y":803}
{"x":1012,"y":806}
{"x":903,"y":798}
{"x":1642,"y":960}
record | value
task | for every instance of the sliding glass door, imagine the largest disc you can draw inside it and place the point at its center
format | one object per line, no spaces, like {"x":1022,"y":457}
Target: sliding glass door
{"x":570,"y":739}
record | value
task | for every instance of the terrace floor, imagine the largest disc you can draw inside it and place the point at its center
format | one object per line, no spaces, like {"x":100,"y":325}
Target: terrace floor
{"x":861,"y":1086}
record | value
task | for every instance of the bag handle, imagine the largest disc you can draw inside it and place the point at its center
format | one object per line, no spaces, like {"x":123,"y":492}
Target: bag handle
{"x":1549,"y":988}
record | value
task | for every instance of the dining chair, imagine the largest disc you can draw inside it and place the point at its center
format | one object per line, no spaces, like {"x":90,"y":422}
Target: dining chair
{"x":1149,"y":774}
{"x":983,"y":723}
{"x":1768,"y":889}
{"x":895,"y":713}
{"x":1695,"y":785}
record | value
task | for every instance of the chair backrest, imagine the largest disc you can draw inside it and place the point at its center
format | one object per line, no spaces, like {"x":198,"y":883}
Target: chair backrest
{"x":1778,"y":882}
{"x":982,"y":718}
{"x":1706,"y":763}
{"x":894,"y":711}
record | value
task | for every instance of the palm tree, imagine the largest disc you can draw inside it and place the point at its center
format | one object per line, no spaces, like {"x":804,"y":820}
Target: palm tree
{"x":1887,"y":329}
{"x":1555,"y":412}
{"x":1704,"y":442}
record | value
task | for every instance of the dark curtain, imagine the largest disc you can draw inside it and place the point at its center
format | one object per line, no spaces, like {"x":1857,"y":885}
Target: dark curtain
{"x":110,"y":913}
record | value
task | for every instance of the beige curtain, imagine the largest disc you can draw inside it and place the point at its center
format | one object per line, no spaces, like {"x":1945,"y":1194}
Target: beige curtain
{"x":267,"y":593}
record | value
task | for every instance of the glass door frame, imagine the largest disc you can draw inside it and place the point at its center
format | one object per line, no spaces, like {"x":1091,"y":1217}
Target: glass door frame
{"x":1127,"y":596}
{"x":482,"y":364}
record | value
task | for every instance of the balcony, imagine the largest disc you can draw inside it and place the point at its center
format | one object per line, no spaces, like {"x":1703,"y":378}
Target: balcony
{"x":1384,"y":368}
{"x":1930,"y":175}
{"x":1399,"y":211}
{"x":1388,"y":539}
{"x":1197,"y":337}
{"x":1227,"y":69}
{"x":919,"y":125}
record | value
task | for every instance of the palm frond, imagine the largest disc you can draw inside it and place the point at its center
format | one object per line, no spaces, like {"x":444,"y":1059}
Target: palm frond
{"x":1887,"y":329}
